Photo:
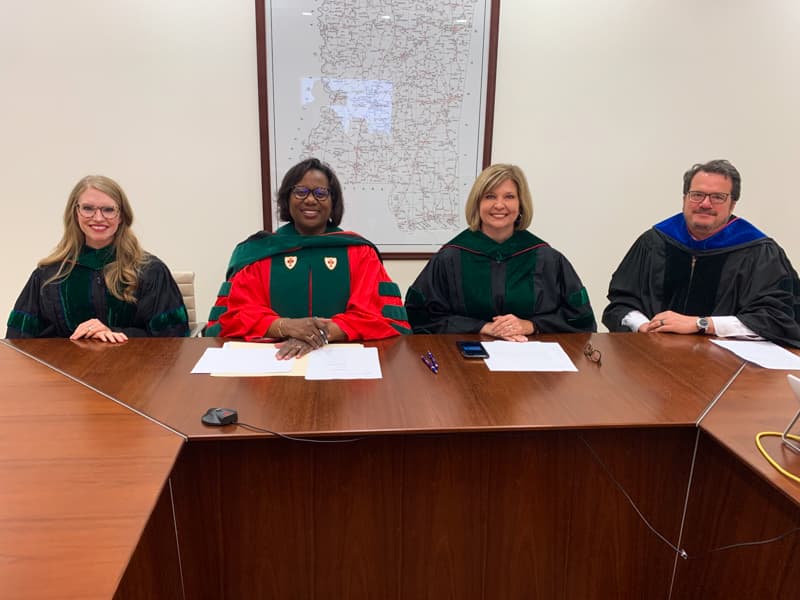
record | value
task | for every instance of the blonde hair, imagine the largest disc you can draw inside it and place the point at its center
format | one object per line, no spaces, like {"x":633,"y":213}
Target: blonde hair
{"x":122,"y":275}
{"x":490,"y":178}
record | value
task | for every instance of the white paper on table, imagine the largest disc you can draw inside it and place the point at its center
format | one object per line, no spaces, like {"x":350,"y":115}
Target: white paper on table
{"x":764,"y":354}
{"x":527,"y":356}
{"x":344,"y":362}
{"x":258,"y":345}
{"x":299,"y":365}
{"x":236,"y":362}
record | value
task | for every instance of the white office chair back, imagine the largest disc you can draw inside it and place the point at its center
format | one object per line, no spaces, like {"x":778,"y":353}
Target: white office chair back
{"x":185,"y":281}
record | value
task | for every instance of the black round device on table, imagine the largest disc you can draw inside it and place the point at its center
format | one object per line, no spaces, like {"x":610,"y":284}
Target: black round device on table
{"x":220,"y":416}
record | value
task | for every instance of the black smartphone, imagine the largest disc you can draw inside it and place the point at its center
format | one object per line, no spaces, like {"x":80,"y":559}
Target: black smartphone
{"x":472,"y":350}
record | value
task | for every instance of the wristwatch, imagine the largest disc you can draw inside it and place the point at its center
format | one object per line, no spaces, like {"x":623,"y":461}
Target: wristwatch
{"x":702,"y":324}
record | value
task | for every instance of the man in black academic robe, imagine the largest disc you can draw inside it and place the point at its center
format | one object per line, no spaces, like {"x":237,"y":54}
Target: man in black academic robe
{"x":707,"y":271}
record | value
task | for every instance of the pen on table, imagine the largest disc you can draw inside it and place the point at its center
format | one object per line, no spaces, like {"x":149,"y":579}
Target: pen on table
{"x":324,"y":336}
{"x":430,"y":364}
{"x":432,"y":358}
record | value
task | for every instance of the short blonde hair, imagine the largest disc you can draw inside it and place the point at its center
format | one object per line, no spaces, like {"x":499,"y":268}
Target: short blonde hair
{"x":490,"y":178}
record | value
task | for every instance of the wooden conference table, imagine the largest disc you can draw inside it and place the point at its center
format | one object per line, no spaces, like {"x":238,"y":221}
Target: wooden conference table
{"x":79,"y":477}
{"x":466,"y":484}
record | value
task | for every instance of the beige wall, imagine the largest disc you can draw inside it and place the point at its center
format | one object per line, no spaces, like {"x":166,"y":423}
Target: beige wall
{"x":603,"y":105}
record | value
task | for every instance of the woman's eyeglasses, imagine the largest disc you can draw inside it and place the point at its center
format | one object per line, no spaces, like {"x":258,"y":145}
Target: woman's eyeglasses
{"x":301,"y":193}
{"x":592,"y":353}
{"x":87,"y":211}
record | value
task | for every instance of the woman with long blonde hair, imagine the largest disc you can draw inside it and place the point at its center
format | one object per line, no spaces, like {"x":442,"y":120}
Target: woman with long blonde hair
{"x":98,"y":283}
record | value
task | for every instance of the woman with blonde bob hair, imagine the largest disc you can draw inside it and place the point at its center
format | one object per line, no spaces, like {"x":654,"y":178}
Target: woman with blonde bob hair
{"x":496,"y":278}
{"x":98,"y":283}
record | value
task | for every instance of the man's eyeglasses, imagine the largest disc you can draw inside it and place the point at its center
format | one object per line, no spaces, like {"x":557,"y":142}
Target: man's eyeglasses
{"x":592,"y":353}
{"x":301,"y":193}
{"x":715,"y":197}
{"x":87,"y":211}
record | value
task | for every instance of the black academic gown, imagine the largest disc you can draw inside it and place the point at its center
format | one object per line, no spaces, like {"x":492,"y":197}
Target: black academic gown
{"x":56,"y":309}
{"x":752,"y":280}
{"x":473,"y":278}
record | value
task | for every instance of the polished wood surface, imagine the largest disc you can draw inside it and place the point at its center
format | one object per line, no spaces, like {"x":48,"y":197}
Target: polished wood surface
{"x":731,"y":503}
{"x":154,"y":571}
{"x":635,"y":385}
{"x":80,"y":477}
{"x":461,"y":516}
{"x":466,"y":484}
{"x":759,"y":400}
{"x":738,"y":497}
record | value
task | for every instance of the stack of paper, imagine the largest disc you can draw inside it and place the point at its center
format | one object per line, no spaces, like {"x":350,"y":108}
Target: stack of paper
{"x":338,"y":361}
{"x":527,"y":356}
{"x":764,"y":354}
{"x":257,"y":361}
{"x":334,"y":361}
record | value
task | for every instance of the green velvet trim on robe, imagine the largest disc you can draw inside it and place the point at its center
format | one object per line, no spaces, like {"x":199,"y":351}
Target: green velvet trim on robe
{"x":76,"y":289}
{"x":322,"y":275}
{"x":225,"y":289}
{"x":402,"y":330}
{"x":287,"y":239}
{"x":170,"y":318}
{"x":214,"y":330}
{"x":389,"y":289}
{"x":119,"y":313}
{"x":27,"y":324}
{"x":580,"y":300}
{"x":476,"y":263}
{"x":583,"y":321}
{"x":398,"y":313}
{"x":217,"y":312}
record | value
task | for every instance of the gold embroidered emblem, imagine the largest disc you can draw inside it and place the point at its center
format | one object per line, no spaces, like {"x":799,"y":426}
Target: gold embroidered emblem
{"x":330,"y":262}
{"x":290,"y":261}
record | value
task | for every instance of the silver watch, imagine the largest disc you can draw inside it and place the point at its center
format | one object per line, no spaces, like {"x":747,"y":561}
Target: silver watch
{"x":702,"y":324}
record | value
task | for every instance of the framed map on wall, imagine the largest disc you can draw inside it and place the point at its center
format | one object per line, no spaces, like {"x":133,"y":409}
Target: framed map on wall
{"x":397,"y":96}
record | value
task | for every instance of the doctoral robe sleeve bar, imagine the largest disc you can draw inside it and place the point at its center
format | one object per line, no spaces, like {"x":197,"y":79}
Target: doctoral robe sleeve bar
{"x":28,"y":319}
{"x":562,"y":304}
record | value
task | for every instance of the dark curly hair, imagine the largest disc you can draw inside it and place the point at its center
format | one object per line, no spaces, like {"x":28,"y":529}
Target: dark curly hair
{"x":293,"y":177}
{"x":719,"y":167}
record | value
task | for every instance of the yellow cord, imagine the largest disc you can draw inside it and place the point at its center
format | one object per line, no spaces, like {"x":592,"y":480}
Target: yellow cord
{"x":771,"y":460}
